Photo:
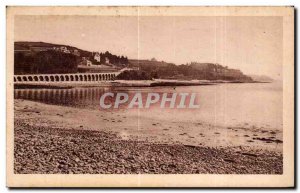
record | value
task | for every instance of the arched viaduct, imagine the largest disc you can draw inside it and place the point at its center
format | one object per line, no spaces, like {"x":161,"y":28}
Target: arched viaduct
{"x":77,"y":77}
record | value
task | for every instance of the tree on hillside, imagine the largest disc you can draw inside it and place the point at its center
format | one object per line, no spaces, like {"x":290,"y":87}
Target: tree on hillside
{"x":55,"y":62}
{"x":45,"y":62}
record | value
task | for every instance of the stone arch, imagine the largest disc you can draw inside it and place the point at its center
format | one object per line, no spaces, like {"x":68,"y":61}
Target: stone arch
{"x":24,"y":78}
{"x":57,"y":78}
{"x":67,"y":77}
{"x":71,"y":77}
{"x":96,"y":77}
{"x":93,"y":77}
{"x":62,"y":78}
{"x":35,"y":78}
{"x":19,"y":78}
{"x":99,"y":77}
{"x":47,"y":78}
{"x":30,"y":78}
{"x":52,"y":78}
{"x":89,"y":77}
{"x":41,"y":78}
{"x":76,"y":78}
{"x":80,"y":78}
{"x":85,"y":77}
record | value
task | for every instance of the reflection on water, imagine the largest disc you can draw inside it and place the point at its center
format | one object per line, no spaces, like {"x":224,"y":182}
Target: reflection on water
{"x":223,"y":104}
{"x":90,"y":97}
{"x":76,"y":97}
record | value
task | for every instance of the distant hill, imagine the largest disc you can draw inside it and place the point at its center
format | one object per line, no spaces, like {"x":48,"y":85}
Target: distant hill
{"x":139,"y":63}
{"x":42,"y":57}
{"x":261,"y":78}
{"x":35,"y":46}
{"x":194,"y":70}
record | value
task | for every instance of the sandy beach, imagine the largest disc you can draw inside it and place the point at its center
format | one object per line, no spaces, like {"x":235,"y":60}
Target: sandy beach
{"x":53,"y":139}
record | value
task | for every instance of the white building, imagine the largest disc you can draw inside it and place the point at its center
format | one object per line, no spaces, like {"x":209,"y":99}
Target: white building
{"x":88,"y":63}
{"x":97,"y":57}
{"x":65,"y":49}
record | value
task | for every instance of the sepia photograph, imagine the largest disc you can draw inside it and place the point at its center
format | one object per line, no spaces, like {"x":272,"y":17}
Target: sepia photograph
{"x":143,"y":93}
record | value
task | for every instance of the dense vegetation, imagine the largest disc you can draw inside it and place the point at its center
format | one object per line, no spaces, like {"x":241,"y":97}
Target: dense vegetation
{"x":120,"y":61}
{"x":201,"y":71}
{"x":40,"y":57}
{"x":45,"y":62}
{"x":134,"y":75}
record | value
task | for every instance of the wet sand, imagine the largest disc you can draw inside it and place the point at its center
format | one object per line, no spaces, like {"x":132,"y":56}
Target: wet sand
{"x":124,"y":83}
{"x":56,"y":139}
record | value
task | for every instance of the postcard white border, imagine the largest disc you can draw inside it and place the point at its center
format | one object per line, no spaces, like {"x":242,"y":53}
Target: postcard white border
{"x":147,"y":180}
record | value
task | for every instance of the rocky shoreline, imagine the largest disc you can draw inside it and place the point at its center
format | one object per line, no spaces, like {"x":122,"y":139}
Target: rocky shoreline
{"x":49,"y":150}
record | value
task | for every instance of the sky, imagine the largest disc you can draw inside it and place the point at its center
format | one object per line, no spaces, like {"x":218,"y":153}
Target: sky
{"x":251,"y":44}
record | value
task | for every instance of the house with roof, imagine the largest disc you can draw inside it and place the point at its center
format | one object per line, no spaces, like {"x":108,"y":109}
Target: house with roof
{"x":97,"y":57}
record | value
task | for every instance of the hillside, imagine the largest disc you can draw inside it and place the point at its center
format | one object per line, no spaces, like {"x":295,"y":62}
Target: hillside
{"x":145,"y":63}
{"x":194,"y":70}
{"x":261,"y":78}
{"x":42,"y":57}
{"x":33,"y":46}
